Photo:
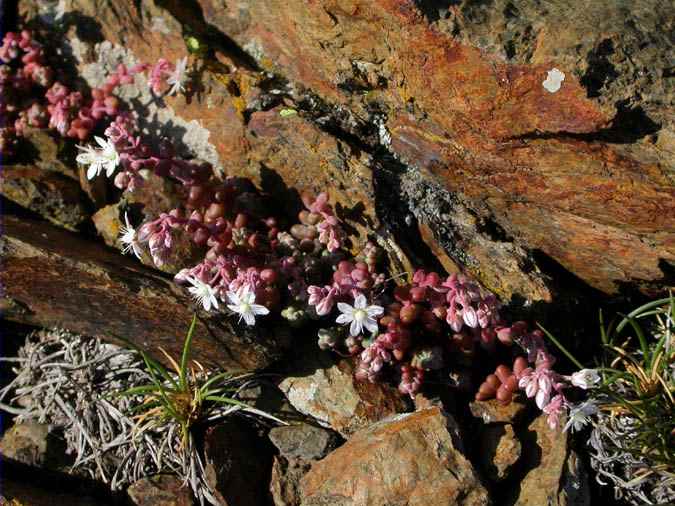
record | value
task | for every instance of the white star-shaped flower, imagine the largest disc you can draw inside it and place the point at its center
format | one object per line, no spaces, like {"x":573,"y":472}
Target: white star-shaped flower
{"x":580,"y":415}
{"x":178,"y":77}
{"x":361,"y":315}
{"x":106,"y":158}
{"x":129,"y":238}
{"x":243,"y":303}
{"x":585,"y":378}
{"x":203,"y":293}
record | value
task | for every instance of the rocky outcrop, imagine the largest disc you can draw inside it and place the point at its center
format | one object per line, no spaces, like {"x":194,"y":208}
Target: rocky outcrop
{"x":582,"y":173}
{"x":55,"y":278}
{"x":407,"y":459}
{"x":488,"y":165}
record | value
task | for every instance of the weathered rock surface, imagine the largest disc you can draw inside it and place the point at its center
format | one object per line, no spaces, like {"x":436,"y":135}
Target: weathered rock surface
{"x":161,"y":490}
{"x":302,"y":441}
{"x":556,"y":475}
{"x":491,"y":411}
{"x":285,"y":482}
{"x":48,"y":193}
{"x":54,"y":278}
{"x":408,"y":459}
{"x":583,"y":174}
{"x":327,"y":391}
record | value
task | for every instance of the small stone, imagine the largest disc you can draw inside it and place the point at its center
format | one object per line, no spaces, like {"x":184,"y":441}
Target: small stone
{"x":328,"y":392}
{"x":302,"y":441}
{"x":406,"y":459}
{"x":492,"y":411}
{"x":160,"y":490}
{"x":500,"y":449}
{"x":107,"y":222}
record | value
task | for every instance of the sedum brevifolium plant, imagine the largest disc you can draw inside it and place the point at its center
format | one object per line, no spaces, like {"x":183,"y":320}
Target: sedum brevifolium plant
{"x":255,"y":265}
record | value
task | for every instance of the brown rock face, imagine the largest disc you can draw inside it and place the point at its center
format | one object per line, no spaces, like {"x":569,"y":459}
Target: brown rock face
{"x":491,"y":164}
{"x":48,"y":193}
{"x":233,"y":119}
{"x":556,"y":475}
{"x":53,"y":278}
{"x":583,"y":173}
{"x":328,"y":392}
{"x":408,"y":459}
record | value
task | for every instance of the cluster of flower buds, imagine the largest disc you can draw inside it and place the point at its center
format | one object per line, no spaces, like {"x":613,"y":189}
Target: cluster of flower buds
{"x":320,"y":221}
{"x":503,"y":383}
{"x":164,"y":72}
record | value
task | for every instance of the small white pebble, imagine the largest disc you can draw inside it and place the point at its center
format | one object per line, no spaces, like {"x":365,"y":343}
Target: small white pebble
{"x":553,"y":80}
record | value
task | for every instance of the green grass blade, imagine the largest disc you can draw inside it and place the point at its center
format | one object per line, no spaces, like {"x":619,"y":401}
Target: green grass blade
{"x":561,"y":347}
{"x":150,"y":362}
{"x":640,"y":310}
{"x":186,"y":353}
{"x":641,"y":337}
{"x":226,"y":400}
{"x":138,"y":390}
{"x":603,"y":331}
{"x":216,"y":378}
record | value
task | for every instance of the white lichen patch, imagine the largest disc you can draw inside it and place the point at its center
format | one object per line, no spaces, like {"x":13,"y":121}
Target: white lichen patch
{"x":553,"y":80}
{"x":158,"y":24}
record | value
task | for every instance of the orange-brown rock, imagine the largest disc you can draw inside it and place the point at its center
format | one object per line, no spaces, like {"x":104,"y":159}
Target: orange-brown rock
{"x":555,"y":475}
{"x":408,"y":459}
{"x":583,"y":174}
{"x":51,"y":277}
{"x":234,"y":117}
